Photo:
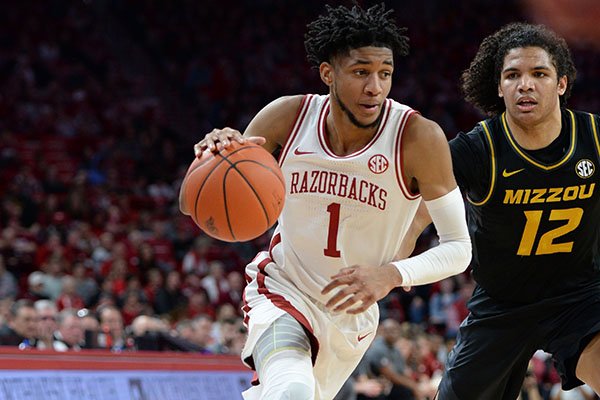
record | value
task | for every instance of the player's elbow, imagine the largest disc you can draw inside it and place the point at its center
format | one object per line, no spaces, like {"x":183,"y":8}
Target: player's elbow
{"x":465,"y":254}
{"x":459,"y":254}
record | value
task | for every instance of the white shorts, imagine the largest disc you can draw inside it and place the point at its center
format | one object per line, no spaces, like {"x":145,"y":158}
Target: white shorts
{"x":338,"y":340}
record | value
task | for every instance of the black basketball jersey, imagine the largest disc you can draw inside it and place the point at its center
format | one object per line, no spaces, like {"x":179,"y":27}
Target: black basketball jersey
{"x":534,"y":218}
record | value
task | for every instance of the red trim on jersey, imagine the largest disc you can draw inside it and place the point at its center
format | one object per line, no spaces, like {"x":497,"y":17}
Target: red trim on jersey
{"x":321,"y":129}
{"x":400,"y":177}
{"x":302,"y":110}
{"x":324,"y":138}
{"x":275,"y":240}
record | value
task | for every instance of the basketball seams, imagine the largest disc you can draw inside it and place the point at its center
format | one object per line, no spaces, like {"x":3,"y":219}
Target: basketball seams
{"x":183,"y":188}
{"x":199,"y":191}
{"x":233,"y":166}
{"x":280,"y":178}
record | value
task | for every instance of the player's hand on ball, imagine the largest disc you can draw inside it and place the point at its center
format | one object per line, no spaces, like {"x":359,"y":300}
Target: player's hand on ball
{"x":360,"y":287}
{"x":217,"y":139}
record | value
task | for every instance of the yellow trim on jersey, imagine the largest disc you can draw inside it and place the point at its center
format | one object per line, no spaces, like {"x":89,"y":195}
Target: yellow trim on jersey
{"x":493,"y":168}
{"x":531,"y":160}
{"x":595,"y":131}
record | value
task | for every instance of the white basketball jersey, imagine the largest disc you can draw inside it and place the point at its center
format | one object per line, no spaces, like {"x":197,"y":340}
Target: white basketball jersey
{"x":340,"y":211}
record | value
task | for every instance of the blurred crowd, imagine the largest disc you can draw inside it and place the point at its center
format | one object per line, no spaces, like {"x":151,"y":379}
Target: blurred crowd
{"x":93,"y":250}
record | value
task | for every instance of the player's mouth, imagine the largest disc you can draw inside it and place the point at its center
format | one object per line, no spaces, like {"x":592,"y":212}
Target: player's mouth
{"x":526,"y":104}
{"x":369,"y":108}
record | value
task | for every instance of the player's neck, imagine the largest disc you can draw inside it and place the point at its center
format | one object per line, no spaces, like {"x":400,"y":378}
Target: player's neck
{"x":345,"y":137}
{"x":534,"y":136}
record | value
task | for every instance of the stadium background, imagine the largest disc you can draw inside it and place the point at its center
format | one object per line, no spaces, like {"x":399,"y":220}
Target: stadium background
{"x":101,"y":103}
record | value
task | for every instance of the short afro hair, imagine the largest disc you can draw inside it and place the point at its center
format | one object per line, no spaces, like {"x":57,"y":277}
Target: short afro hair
{"x":342,"y":29}
{"x":480,"y":81}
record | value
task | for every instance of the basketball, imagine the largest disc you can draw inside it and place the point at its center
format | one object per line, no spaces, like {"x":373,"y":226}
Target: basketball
{"x":235,"y":194}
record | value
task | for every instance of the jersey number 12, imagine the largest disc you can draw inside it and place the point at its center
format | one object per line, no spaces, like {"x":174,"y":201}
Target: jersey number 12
{"x":547,"y":243}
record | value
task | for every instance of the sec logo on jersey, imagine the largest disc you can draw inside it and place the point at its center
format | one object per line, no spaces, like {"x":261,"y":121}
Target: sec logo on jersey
{"x":378,"y":164}
{"x":585,"y":168}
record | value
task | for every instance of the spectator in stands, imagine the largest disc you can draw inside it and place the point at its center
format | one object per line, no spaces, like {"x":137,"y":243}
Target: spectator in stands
{"x":232,"y":294}
{"x":8,"y":283}
{"x":102,"y":251}
{"x":229,"y":339}
{"x":146,"y":259}
{"x":197,"y":258}
{"x":169,"y":299}
{"x":417,"y":311}
{"x":35,"y":287}
{"x":112,"y":332}
{"x":52,"y":278}
{"x":440,"y":302}
{"x":458,"y":311}
{"x":69,"y":298}
{"x":70,"y":334}
{"x":198,"y":304}
{"x":215,"y":283}
{"x":118,"y":275}
{"x":46,"y":325}
{"x":5,"y":305}
{"x":202,"y":336}
{"x":383,"y":360}
{"x":91,"y":328}
{"x":151,"y":333}
{"x":132,"y":306}
{"x":85,"y":286}
{"x":162,"y":245}
{"x":185,"y":329}
{"x":154,"y":282}
{"x":22,"y":326}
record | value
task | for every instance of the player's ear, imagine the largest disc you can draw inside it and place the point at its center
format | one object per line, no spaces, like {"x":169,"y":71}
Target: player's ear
{"x":562,"y":85}
{"x":326,"y":73}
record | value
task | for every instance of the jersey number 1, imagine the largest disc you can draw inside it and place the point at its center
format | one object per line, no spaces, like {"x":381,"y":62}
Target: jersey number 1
{"x":334,"y":223}
{"x":547,"y":245}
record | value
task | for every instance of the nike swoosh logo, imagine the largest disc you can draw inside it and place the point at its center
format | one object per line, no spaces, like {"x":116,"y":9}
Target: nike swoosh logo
{"x":507,"y":174}
{"x":361,"y":337}
{"x":301,"y":153}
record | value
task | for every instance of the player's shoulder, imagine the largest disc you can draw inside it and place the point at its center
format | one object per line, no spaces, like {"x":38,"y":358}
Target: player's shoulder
{"x":286,"y":108}
{"x":423,"y":130}
{"x":276,"y":119}
{"x":478,"y":138}
{"x":285,"y":105}
{"x":583,"y":118}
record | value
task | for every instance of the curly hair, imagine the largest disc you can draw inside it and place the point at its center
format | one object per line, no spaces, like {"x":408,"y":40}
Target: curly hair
{"x":480,"y":81}
{"x":342,"y":29}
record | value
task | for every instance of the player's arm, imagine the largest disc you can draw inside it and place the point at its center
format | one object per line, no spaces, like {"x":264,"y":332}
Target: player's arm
{"x":428,"y":165}
{"x":421,"y":221}
{"x":269,"y":128}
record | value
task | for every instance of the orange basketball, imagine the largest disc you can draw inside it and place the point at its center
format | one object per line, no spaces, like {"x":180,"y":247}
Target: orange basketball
{"x":235,"y":194}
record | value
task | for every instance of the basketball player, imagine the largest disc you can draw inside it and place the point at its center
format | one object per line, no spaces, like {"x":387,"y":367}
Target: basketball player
{"x":356,"y":165}
{"x":532,"y":184}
